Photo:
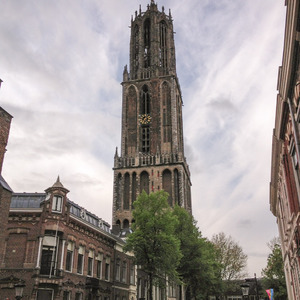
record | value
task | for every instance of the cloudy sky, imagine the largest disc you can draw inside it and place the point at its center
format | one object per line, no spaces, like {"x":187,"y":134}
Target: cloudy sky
{"x":62,"y":64}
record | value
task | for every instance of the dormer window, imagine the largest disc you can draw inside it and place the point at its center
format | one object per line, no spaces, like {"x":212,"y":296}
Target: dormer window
{"x":57,"y":203}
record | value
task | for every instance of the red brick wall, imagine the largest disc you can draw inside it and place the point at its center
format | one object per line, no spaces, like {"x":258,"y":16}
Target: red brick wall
{"x":5,"y":197}
{"x":5,"y":119}
{"x":15,"y":250}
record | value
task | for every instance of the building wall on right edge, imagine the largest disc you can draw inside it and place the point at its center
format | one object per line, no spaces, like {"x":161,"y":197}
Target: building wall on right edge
{"x":285,"y":173}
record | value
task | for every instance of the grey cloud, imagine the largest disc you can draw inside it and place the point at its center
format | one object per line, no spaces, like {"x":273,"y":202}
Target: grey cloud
{"x":246,"y":223}
{"x":62,"y":62}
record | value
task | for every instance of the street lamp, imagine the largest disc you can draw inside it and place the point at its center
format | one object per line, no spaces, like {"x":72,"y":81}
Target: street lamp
{"x":245,"y":290}
{"x":19,"y":287}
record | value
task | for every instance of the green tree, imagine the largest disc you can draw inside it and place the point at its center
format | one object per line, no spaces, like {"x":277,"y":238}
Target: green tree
{"x":198,"y":268}
{"x":273,"y":274}
{"x":231,"y":257}
{"x":153,"y":242}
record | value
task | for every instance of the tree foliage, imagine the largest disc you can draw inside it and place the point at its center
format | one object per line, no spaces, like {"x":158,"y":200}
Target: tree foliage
{"x":273,"y":274}
{"x":231,"y":257}
{"x":153,"y":242}
{"x":198,"y":267}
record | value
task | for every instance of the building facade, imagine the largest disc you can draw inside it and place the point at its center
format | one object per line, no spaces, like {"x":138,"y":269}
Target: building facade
{"x":58,"y":250}
{"x":152,"y":149}
{"x":285,"y":174}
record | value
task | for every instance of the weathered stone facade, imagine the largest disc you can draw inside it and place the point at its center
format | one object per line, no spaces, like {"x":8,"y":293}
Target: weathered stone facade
{"x":152,"y":149}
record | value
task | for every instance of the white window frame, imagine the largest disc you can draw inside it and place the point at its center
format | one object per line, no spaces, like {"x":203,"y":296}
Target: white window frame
{"x":81,"y":251}
{"x":70,"y":248}
{"x":107,"y":267}
{"x":99,"y":260}
{"x":57,"y":202}
{"x":91,"y":256}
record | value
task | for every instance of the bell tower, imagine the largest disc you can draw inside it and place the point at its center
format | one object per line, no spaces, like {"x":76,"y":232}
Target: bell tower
{"x":152,"y":150}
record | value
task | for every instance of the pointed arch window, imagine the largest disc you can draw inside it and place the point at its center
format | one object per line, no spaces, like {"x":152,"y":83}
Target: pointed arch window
{"x":145,"y":103}
{"x":126,"y":191}
{"x":163,"y":45}
{"x":145,"y":111}
{"x":147,"y":43}
{"x":118,"y":191}
{"x":133,"y":185}
{"x":166,"y":117}
{"x":144,"y":183}
{"x":131,"y":120}
{"x":176,"y":187}
{"x":167,"y":184}
{"x":136,"y":50}
{"x":125,"y":224}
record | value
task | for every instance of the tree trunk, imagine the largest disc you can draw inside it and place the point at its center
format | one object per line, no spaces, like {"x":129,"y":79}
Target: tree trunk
{"x":150,"y":287}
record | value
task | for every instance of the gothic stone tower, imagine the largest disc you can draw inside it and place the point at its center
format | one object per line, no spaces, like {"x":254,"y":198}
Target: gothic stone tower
{"x":152,"y":150}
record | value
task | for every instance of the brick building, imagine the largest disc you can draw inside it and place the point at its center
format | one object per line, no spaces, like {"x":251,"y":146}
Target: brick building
{"x":61,"y":251}
{"x":285,"y":176}
{"x":152,"y":149}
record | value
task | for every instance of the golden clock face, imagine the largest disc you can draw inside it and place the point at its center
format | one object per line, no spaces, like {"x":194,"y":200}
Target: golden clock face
{"x":145,"y":119}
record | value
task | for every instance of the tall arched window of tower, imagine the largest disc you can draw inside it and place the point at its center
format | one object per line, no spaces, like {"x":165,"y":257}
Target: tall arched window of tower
{"x":145,"y":103}
{"x":147,"y":43}
{"x":166,"y":111}
{"x":126,"y":191}
{"x":118,"y":191}
{"x":145,"y":120}
{"x":167,"y":184}
{"x":144,"y":183}
{"x":163,"y":62}
{"x":131,"y":119}
{"x":133,"y":188}
{"x":136,"y":51}
{"x":176,"y":187}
